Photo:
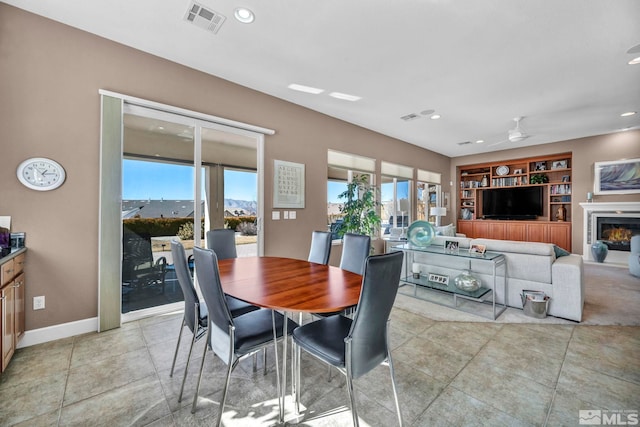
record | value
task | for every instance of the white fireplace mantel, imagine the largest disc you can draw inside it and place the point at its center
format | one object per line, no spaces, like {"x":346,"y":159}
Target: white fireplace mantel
{"x":596,"y":209}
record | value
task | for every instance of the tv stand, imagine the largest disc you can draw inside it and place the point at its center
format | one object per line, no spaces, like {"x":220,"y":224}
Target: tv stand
{"x":510,"y":217}
{"x":552,"y":173}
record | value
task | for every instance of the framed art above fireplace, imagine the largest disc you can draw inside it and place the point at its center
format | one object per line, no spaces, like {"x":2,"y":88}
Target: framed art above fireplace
{"x":617,"y":177}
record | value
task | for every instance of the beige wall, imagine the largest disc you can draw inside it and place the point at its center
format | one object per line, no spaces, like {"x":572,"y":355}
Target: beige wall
{"x":50,"y":75}
{"x":585,"y":151}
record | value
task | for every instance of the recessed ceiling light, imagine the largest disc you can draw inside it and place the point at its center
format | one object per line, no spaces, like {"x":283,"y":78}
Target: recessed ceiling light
{"x":628,"y":113}
{"x":480,"y":141}
{"x":345,"y":96}
{"x":307,"y":89}
{"x":435,"y":117}
{"x":634,"y":61}
{"x":244,"y":15}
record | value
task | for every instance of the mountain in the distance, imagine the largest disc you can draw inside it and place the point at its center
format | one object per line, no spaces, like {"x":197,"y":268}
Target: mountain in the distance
{"x":250,"y":207}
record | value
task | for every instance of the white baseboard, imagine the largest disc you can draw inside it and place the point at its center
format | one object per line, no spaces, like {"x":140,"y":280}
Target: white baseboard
{"x":56,"y":332}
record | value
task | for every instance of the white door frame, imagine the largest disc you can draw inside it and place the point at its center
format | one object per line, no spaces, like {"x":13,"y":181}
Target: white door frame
{"x":108,"y":232}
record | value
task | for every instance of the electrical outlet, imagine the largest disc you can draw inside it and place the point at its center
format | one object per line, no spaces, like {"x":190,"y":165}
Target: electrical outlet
{"x":38,"y":303}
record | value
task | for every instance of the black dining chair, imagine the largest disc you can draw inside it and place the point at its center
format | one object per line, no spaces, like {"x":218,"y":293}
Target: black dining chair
{"x":223,"y":242}
{"x":355,"y":250}
{"x":195,"y":311}
{"x":233,"y":339}
{"x":320,"y":249}
{"x":356,"y":346}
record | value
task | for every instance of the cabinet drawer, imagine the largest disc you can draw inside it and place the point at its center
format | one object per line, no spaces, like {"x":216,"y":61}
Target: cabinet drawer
{"x":7,"y":272}
{"x":19,"y":264}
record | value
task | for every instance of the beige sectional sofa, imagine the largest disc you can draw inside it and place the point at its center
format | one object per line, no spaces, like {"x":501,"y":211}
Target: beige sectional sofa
{"x":529,"y":266}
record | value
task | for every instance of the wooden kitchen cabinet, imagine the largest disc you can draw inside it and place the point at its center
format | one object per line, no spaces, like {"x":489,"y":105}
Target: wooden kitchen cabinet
{"x":12,"y":304}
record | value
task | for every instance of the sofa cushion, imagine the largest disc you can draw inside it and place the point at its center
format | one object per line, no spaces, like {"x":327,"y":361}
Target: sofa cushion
{"x":525,"y":260}
{"x":446,"y":230}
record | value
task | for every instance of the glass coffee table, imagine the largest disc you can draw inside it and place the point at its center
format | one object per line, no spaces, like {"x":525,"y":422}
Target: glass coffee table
{"x":437,"y":269}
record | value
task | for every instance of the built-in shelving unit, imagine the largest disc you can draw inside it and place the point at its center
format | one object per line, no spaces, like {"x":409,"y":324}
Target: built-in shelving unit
{"x":553,"y":173}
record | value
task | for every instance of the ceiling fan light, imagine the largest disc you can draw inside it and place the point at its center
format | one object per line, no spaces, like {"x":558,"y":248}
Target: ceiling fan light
{"x":634,"y":61}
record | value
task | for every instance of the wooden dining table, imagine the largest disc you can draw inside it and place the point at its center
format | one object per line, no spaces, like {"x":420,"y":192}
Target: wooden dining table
{"x":289,"y":285}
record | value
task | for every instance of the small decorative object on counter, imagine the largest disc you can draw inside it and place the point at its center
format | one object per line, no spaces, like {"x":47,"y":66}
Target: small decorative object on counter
{"x":5,"y":241}
{"x":466,"y":282}
{"x":415,"y":268}
{"x":421,"y":233}
{"x":599,"y":250}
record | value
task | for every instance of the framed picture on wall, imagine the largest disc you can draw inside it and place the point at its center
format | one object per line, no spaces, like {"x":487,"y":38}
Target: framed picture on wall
{"x":288,"y":184}
{"x":617,"y":177}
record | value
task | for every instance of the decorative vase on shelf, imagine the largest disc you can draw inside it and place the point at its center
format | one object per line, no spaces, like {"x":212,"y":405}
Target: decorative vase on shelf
{"x":485,"y":181}
{"x":599,"y":250}
{"x":466,"y":282}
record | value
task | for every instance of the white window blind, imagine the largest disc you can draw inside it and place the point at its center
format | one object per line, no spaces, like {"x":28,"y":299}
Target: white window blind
{"x":427,"y":176}
{"x":398,"y":171}
{"x":350,"y":161}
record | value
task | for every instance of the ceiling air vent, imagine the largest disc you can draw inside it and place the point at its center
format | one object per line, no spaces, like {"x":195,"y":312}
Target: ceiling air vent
{"x":464,"y":143}
{"x":204,"y":18}
{"x":410,"y":117}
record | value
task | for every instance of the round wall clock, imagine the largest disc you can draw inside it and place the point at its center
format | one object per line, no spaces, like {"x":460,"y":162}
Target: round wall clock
{"x":39,"y":173}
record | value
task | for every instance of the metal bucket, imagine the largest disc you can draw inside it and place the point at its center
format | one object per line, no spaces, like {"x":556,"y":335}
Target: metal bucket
{"x":534,"y":304}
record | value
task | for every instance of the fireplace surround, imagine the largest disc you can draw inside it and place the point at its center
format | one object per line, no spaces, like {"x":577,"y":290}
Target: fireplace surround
{"x":614,"y":223}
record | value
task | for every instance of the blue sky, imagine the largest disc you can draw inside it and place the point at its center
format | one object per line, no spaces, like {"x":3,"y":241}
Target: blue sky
{"x":156,"y":180}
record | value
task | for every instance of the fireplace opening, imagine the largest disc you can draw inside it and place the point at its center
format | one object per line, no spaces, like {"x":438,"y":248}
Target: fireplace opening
{"x":616,"y":232}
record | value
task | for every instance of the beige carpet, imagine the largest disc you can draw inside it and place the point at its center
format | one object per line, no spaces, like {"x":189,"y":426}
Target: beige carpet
{"x":612,"y":297}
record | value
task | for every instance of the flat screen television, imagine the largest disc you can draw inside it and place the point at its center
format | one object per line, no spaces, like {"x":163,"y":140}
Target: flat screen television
{"x":518,"y":203}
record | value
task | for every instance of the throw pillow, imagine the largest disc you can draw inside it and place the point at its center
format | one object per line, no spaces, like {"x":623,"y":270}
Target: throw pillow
{"x":560,"y":252}
{"x":446,"y":230}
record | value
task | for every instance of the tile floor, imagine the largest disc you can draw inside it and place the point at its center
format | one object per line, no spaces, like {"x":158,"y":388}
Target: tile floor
{"x":449,"y":374}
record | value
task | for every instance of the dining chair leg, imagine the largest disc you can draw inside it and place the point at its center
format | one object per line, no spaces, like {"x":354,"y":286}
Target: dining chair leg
{"x":186,"y":368}
{"x":231,"y":365}
{"x":264,"y":361}
{"x":393,"y":378}
{"x":204,"y":353}
{"x":175,"y":354}
{"x":352,"y":397}
{"x":395,"y":388}
{"x":328,"y":373}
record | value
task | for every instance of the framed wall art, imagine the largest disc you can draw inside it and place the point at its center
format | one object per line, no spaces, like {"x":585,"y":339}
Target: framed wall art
{"x":617,"y":177}
{"x":288,"y":184}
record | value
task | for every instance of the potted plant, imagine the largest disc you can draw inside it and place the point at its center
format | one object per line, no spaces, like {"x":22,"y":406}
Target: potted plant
{"x":360,"y":213}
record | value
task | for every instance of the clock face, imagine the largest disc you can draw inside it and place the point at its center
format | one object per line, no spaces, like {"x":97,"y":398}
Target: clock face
{"x":41,"y":174}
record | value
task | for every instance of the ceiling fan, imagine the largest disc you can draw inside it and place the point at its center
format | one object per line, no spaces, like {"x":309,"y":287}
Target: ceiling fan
{"x":514,"y":135}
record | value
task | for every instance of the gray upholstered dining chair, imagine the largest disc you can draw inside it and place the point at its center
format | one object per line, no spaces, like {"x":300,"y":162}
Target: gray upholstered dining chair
{"x":232,"y":339}
{"x":223,"y":242}
{"x":356,"y":346}
{"x":320,"y":247}
{"x":355,"y":250}
{"x":195,"y":311}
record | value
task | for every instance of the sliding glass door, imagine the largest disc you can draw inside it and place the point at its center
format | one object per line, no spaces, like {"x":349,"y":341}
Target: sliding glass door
{"x":175,"y":174}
